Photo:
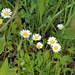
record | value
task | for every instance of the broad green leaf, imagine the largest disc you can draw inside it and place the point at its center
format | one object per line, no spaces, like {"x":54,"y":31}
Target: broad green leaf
{"x":2,"y":44}
{"x":47,"y":2}
{"x":27,"y":57}
{"x":10,"y":45}
{"x":11,"y":72}
{"x":49,"y":64}
{"x":57,"y":55}
{"x":41,"y":6}
{"x":65,"y":59}
{"x":72,"y":50}
{"x":58,"y":70}
{"x":39,"y":58}
{"x":46,"y":56}
{"x":5,"y":71}
{"x":69,"y":33}
{"x":44,"y":41}
{"x":4,"y":68}
{"x":19,"y":45}
{"x":31,"y":41}
{"x":22,"y":53}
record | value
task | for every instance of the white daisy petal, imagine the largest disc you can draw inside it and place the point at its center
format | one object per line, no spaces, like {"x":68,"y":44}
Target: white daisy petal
{"x":2,"y":14}
{"x":51,"y":41}
{"x":60,"y":26}
{"x":3,"y":10}
{"x":10,"y":13}
{"x":9,"y":10}
{"x":25,"y":33}
{"x":56,"y":47}
{"x":39,"y":45}
{"x":6,"y":13}
{"x":36,"y":37}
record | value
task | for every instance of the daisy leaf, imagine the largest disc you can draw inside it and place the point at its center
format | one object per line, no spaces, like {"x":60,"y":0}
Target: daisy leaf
{"x":2,"y":44}
{"x":69,"y":33}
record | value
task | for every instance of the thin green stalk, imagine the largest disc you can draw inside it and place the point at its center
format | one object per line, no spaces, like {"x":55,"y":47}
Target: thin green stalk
{"x":7,"y":40}
{"x":25,"y":2}
{"x":69,"y":20}
{"x":18,"y":62}
{"x":66,"y":12}
{"x":18,"y":54}
{"x":25,"y":46}
{"x":10,"y":4}
{"x":57,"y":7}
{"x":71,"y":9}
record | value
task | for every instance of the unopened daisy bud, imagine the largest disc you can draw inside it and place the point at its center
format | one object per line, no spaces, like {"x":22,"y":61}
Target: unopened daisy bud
{"x":39,"y":45}
{"x":56,"y":47}
{"x":36,"y":37}
{"x":60,"y":26}
{"x":22,"y":63}
{"x":25,"y":33}
{"x":6,"y":13}
{"x":1,"y":21}
{"x":24,"y":68}
{"x":51,"y":41}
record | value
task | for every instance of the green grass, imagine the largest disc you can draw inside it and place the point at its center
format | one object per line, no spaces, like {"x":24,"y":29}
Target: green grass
{"x":42,"y":17}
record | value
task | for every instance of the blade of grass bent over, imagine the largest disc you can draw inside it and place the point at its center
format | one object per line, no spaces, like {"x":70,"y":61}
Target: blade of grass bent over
{"x":16,"y":7}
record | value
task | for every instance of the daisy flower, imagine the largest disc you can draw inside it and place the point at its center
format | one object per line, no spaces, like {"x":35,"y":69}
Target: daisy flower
{"x":39,"y":45}
{"x":25,"y":33}
{"x":60,"y":26}
{"x":56,"y":47}
{"x":1,"y":21}
{"x":6,"y":13}
{"x":36,"y":37}
{"x":51,"y":40}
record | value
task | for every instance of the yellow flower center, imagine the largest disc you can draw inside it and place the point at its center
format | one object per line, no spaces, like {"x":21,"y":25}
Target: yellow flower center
{"x":6,"y":13}
{"x":56,"y":47}
{"x":36,"y":37}
{"x":25,"y":33}
{"x":52,"y":41}
{"x":39,"y":46}
{"x":0,"y":20}
{"x":60,"y":27}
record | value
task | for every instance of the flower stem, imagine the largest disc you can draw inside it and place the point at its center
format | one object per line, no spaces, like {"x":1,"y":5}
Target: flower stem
{"x":18,"y":62}
{"x":25,"y":46}
{"x":18,"y":54}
